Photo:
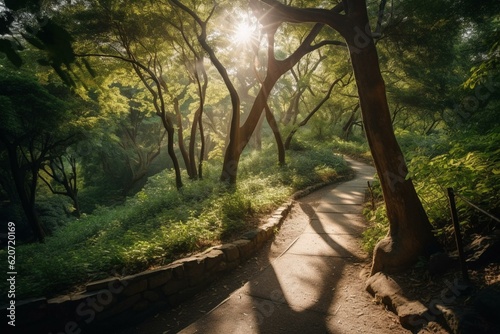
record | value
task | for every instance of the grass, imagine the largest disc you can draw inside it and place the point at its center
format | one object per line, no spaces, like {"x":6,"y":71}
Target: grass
{"x":356,"y":149}
{"x":469,"y":164}
{"x":160,"y":224}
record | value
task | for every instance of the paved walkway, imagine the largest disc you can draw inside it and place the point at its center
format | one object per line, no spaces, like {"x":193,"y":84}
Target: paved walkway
{"x":306,"y":281}
{"x":313,"y":286}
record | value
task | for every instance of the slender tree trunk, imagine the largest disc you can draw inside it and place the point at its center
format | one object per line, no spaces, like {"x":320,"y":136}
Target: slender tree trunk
{"x":347,"y":128}
{"x":76,"y":204}
{"x":292,"y":108}
{"x":276,"y":68}
{"x":277,"y":135}
{"x":202,"y":148}
{"x":311,"y":114}
{"x":257,"y":134}
{"x":171,"y":151}
{"x":173,"y":157}
{"x":192,"y":143}
{"x":190,"y":165}
{"x":26,"y":192}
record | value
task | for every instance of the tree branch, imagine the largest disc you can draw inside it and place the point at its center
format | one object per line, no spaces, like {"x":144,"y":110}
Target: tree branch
{"x":284,"y":13}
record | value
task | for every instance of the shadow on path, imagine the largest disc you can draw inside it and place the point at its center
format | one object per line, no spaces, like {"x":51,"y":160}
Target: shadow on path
{"x":311,"y":285}
{"x":298,"y":292}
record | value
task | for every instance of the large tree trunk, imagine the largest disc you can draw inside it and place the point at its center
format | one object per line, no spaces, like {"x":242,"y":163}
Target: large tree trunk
{"x":410,"y":235}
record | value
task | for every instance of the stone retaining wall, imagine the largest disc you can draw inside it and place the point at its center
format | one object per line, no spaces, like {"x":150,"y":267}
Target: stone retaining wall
{"x":110,"y":301}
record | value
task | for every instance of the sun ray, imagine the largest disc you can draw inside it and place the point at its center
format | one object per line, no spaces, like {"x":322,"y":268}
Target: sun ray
{"x":243,"y":33}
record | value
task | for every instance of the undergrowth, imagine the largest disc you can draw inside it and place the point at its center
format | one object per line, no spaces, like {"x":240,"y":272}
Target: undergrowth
{"x":160,"y":224}
{"x":470,"y":164}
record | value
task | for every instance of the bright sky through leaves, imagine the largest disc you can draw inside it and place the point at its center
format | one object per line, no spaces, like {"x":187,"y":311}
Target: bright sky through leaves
{"x":243,"y":33}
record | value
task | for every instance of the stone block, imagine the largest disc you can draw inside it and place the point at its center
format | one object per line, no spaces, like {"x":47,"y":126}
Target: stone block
{"x":174,"y":286}
{"x":268,"y":229}
{"x":276,"y":222}
{"x":83,"y":297}
{"x":262,"y":236}
{"x":59,"y":300}
{"x":61,"y":307}
{"x":160,"y":277}
{"x":152,"y":296}
{"x":284,"y":209}
{"x":222,"y":266}
{"x":232,"y":265}
{"x":250,"y":235}
{"x":409,"y":311}
{"x":102,"y":284}
{"x":230,"y":251}
{"x":245,"y":247}
{"x":213,"y":259}
{"x":177,"y":270}
{"x":194,"y":266}
{"x":134,"y":284}
{"x":382,"y":285}
{"x":120,"y":307}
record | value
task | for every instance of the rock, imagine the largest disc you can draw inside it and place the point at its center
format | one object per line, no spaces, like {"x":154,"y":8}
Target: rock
{"x":245,"y":247}
{"x":230,"y":251}
{"x":411,"y":314}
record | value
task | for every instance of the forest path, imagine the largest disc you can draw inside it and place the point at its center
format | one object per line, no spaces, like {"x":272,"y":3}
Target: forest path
{"x":308,"y":280}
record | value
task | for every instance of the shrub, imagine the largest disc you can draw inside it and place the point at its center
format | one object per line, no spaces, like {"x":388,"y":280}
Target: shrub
{"x":160,"y":224}
{"x":467,"y":163}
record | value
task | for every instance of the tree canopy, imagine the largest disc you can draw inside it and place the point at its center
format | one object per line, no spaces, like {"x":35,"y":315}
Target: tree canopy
{"x":99,"y":95}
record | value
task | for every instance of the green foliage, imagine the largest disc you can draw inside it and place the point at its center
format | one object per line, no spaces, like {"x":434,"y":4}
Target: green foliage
{"x":357,"y":149}
{"x":377,"y":228}
{"x":468,"y":163}
{"x":471,"y":168}
{"x":159,"y":223}
{"x":307,"y":164}
{"x":53,"y":211}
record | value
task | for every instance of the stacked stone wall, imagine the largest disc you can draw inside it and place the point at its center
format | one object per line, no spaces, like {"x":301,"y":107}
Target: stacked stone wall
{"x":116,"y":299}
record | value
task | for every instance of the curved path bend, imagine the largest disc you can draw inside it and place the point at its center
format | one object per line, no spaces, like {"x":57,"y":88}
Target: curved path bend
{"x":308,"y":280}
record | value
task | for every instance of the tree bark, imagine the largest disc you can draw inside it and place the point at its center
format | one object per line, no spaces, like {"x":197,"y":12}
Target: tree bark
{"x":288,"y":140}
{"x":410,"y":235}
{"x":277,"y":135}
{"x":410,"y":231}
{"x":57,"y":171}
{"x":188,"y":162}
{"x":26,"y":191}
{"x":347,"y":128}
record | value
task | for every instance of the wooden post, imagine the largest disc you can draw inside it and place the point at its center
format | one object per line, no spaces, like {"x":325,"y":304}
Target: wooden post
{"x":458,"y":235}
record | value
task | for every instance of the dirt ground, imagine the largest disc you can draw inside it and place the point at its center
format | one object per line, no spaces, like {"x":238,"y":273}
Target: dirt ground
{"x":450,"y":289}
{"x":357,"y":312}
